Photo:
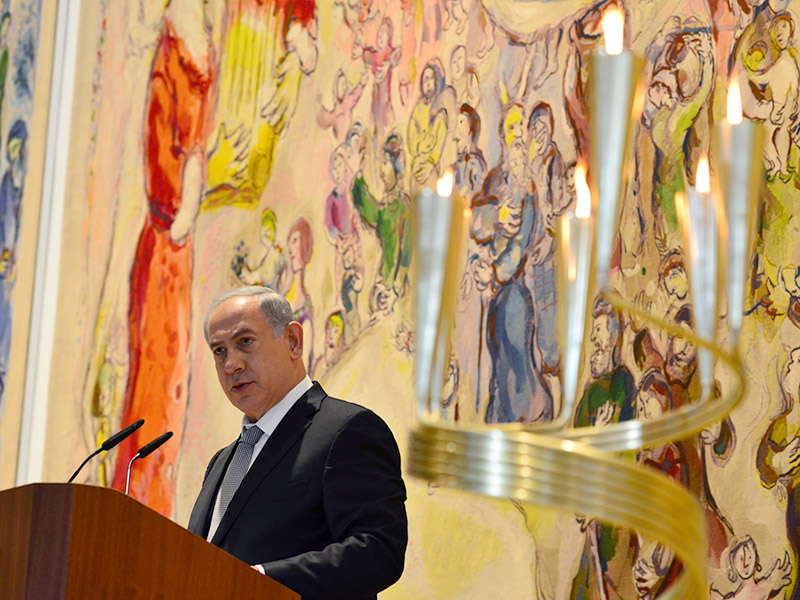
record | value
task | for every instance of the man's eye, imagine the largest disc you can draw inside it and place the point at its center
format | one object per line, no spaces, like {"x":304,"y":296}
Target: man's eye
{"x":246,"y":341}
{"x":218,"y":351}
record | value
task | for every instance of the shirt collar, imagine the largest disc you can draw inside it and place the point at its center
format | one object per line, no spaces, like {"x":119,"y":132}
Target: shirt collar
{"x":270,"y":419}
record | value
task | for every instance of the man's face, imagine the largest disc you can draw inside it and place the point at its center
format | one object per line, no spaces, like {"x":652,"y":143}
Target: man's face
{"x":681,"y":359}
{"x":333,"y":333}
{"x":14,"y":147}
{"x":676,"y":283}
{"x":255,"y":368}
{"x":601,"y":338}
{"x":512,"y":127}
{"x":783,"y":32}
{"x":428,"y":83}
{"x":295,"y":248}
{"x":388,"y":176}
{"x":462,"y":134}
{"x":458,"y":62}
{"x":744,"y":559}
{"x":383,"y":36}
{"x":541,"y":137}
{"x":648,"y":406}
{"x":268,"y":236}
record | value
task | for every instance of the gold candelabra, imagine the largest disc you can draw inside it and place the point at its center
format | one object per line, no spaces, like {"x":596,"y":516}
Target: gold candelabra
{"x":579,"y":468}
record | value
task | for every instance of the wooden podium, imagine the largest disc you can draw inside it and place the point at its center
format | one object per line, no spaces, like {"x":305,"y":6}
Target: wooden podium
{"x":76,"y":541}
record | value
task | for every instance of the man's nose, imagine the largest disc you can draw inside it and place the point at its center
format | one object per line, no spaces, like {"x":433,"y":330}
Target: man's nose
{"x":233,"y":363}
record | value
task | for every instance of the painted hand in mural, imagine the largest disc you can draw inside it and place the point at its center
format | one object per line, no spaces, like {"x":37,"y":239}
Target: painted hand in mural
{"x":711,"y":434}
{"x":787,"y":460}
{"x":605,"y":414}
{"x":645,"y":578}
{"x":192,"y":194}
{"x":280,"y":109}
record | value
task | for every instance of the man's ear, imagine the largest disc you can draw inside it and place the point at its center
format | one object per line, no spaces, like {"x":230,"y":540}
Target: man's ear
{"x":294,"y":333}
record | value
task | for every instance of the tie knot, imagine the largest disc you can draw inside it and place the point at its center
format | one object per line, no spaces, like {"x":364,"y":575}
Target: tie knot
{"x":251,"y":435}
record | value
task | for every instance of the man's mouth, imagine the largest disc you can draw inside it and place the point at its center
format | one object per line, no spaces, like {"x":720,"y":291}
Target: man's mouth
{"x":240,"y":386}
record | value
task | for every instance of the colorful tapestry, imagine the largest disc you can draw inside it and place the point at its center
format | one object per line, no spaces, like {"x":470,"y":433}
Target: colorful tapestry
{"x":26,"y":46}
{"x":282,"y":143}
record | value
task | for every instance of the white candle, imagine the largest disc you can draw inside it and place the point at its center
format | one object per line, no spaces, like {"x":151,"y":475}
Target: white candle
{"x":576,"y":245}
{"x":442,"y":223}
{"x":703,"y":252}
{"x":614,"y":73}
{"x":738,"y":149}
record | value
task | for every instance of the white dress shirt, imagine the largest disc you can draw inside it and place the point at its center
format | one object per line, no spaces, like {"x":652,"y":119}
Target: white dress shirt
{"x":268,"y":422}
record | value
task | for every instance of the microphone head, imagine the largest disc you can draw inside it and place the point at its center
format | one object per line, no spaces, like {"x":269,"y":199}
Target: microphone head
{"x":149,"y":447}
{"x":121,"y":435}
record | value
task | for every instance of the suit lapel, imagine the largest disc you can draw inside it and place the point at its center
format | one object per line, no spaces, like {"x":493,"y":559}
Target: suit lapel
{"x":200,"y":519}
{"x":289,"y":430}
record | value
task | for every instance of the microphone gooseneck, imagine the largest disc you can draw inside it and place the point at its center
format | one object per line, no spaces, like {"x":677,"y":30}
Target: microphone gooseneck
{"x":144,"y":451}
{"x":109,"y":444}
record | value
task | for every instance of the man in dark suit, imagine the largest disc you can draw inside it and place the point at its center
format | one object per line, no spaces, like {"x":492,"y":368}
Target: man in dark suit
{"x":321,"y":506}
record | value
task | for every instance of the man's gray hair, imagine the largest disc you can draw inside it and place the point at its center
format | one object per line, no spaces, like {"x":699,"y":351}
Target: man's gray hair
{"x":275,"y":309}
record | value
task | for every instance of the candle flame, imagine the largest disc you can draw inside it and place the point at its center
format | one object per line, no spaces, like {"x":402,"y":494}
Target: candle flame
{"x":613,"y":24}
{"x":734,"y":101}
{"x":583,"y":205}
{"x":444,"y":186}
{"x":703,"y":176}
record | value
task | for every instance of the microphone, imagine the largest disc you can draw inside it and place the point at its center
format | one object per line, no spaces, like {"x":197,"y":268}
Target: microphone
{"x":144,"y":451}
{"x":109,"y":444}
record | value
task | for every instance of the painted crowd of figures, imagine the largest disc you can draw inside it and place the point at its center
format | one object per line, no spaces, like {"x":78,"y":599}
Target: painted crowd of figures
{"x":425,"y":86}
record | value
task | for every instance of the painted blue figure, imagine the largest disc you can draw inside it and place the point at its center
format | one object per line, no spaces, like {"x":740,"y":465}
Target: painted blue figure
{"x":10,"y":201}
{"x":503,"y":221}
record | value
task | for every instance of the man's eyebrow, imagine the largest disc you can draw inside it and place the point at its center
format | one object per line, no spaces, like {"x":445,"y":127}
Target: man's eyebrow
{"x":244,"y":330}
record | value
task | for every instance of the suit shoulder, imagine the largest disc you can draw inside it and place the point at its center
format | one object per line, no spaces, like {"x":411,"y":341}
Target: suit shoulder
{"x":336,"y":407}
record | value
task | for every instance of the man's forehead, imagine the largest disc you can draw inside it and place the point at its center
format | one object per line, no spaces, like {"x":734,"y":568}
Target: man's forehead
{"x":235,"y":312}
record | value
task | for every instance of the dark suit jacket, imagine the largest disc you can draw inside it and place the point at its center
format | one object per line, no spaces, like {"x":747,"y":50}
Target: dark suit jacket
{"x":322,"y":508}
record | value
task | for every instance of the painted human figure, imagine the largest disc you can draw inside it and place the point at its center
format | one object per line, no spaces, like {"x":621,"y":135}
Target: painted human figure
{"x":345,"y":98}
{"x":388,"y":217}
{"x":743,"y":570}
{"x":679,"y":85}
{"x":159,"y":314}
{"x":268,"y":47}
{"x":655,"y":567}
{"x":464,"y":78}
{"x":502,"y":224}
{"x":335,"y":342}
{"x":609,"y":398}
{"x":299,"y":247}
{"x":428,"y":125}
{"x":381,"y":60}
{"x":342,"y":231}
{"x":10,"y":211}
{"x":608,"y":552}
{"x":547,"y":172}
{"x":778,"y":456}
{"x":680,"y":363}
{"x":268,"y":266}
{"x":470,"y":168}
{"x":781,"y":79}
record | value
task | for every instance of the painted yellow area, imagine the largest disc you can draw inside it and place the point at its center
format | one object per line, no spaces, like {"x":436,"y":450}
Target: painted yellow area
{"x":241,"y":148}
{"x":461,"y":542}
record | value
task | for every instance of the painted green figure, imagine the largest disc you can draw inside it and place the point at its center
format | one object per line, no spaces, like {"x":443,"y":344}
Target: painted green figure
{"x":388,"y":216}
{"x":608,"y":554}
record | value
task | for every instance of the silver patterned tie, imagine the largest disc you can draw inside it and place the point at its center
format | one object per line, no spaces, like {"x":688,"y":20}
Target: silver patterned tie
{"x":237,"y":469}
